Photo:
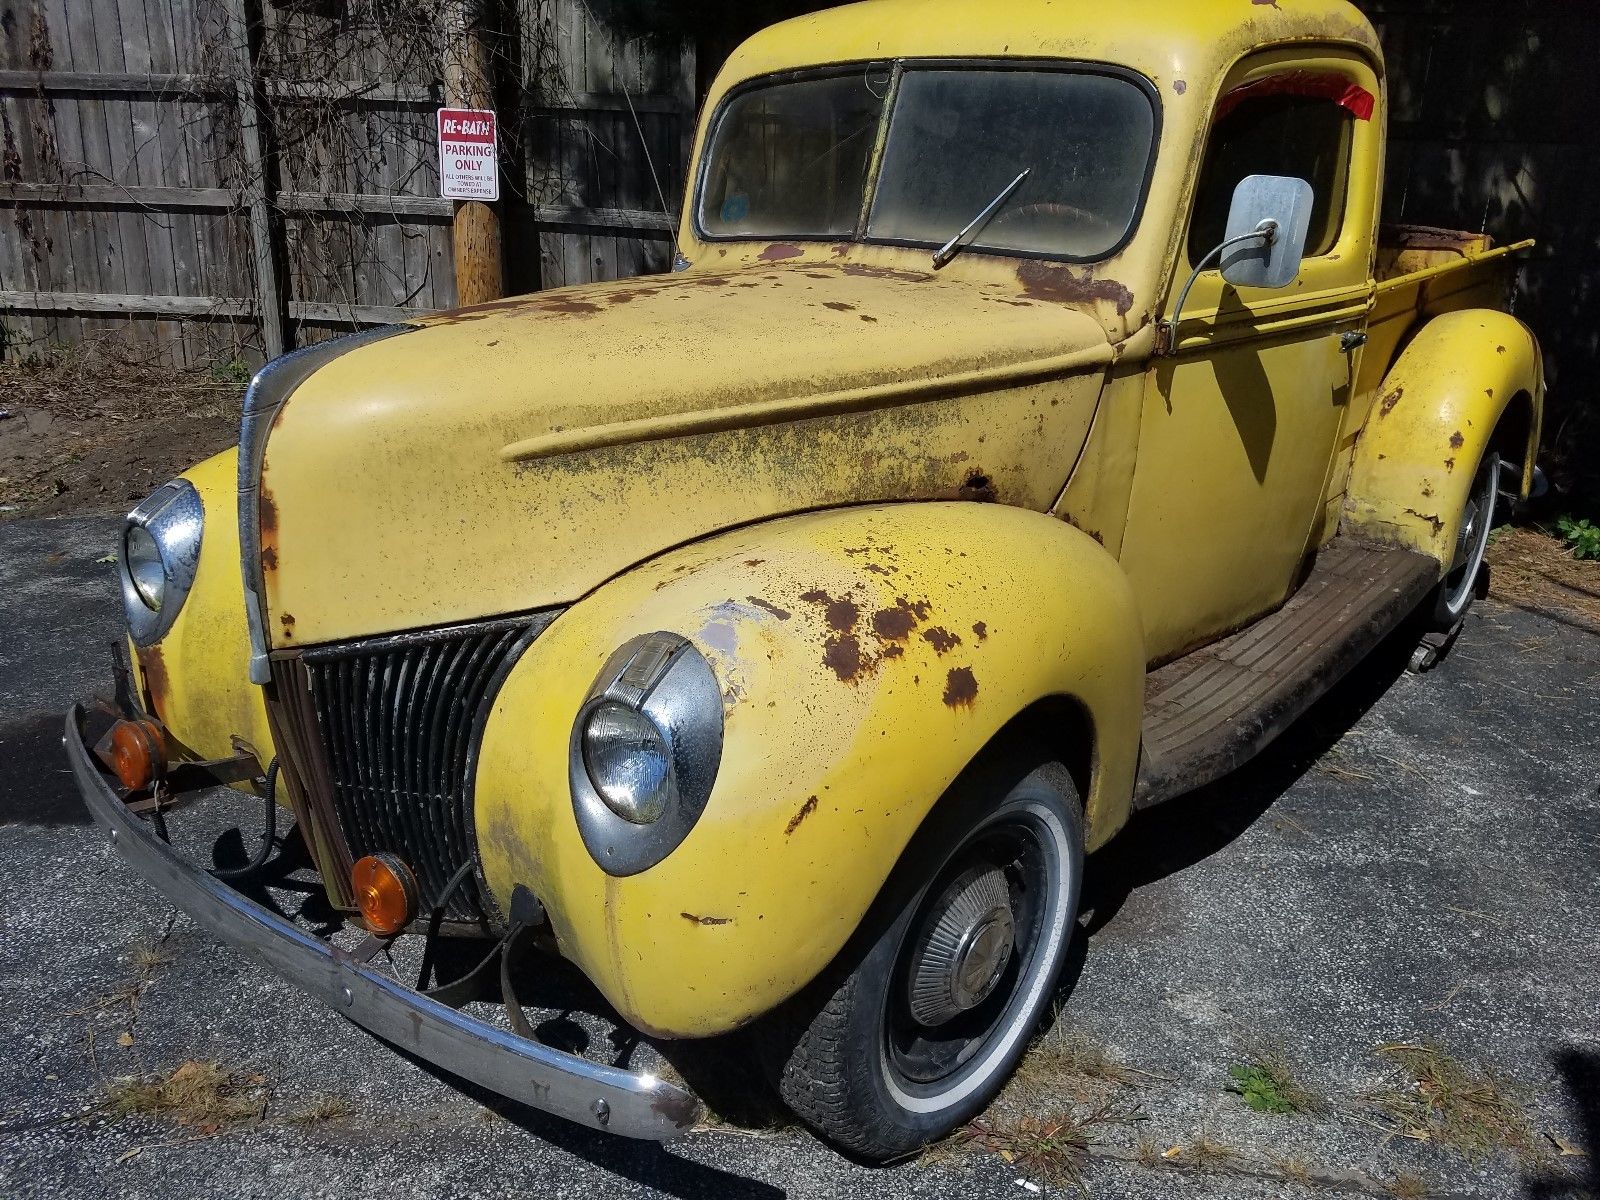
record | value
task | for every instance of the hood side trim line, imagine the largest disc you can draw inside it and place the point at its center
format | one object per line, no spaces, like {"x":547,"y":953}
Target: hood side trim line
{"x":771,"y":412}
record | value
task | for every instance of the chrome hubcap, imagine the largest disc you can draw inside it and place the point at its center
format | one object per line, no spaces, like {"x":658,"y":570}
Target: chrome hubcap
{"x":964,"y":948}
{"x":1469,"y":533}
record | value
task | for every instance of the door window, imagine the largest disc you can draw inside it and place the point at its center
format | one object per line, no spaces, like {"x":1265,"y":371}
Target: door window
{"x":1298,"y":124}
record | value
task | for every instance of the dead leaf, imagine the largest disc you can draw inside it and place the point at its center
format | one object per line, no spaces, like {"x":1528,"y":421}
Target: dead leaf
{"x":124,"y":1039}
{"x":128,"y":1156}
{"x":110,"y":558}
{"x":1565,"y":1148}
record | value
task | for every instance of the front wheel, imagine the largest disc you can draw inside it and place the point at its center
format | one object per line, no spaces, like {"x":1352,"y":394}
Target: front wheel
{"x":1460,"y":583}
{"x":915,"y":1031}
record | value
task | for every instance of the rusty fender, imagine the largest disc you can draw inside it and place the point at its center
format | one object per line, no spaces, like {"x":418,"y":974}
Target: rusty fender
{"x":1432,"y":419}
{"x":865,"y":656}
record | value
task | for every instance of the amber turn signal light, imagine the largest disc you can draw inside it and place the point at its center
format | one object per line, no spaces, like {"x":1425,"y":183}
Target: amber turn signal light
{"x":136,"y":752}
{"x":386,"y":893}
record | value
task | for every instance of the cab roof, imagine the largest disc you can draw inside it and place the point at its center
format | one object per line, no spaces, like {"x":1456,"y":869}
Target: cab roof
{"x":1173,"y":42}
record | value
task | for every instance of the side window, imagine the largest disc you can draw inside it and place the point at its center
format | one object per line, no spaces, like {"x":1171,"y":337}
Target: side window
{"x":1295,"y":124}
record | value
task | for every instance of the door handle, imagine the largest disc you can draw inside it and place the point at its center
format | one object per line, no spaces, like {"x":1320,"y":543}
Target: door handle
{"x":1351,"y":340}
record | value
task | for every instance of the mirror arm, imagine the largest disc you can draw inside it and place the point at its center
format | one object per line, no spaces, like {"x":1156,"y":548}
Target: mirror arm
{"x":1267,"y":231}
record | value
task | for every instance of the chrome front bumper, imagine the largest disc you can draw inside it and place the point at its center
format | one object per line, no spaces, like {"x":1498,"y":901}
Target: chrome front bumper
{"x":601,"y":1097}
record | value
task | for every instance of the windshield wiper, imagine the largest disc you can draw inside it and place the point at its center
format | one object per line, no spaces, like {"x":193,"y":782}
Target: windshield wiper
{"x":948,"y":251}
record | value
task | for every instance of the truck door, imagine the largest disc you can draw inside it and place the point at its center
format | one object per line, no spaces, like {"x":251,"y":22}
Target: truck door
{"x":1239,"y":424}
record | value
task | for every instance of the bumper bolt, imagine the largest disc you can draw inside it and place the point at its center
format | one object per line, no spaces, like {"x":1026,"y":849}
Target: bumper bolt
{"x":602,"y":1112}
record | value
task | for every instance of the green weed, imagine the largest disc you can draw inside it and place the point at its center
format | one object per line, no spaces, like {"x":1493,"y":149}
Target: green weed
{"x":1583,"y":537}
{"x":1267,"y":1085}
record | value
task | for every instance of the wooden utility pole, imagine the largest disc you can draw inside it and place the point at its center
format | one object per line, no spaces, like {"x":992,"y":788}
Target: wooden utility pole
{"x":469,"y":83}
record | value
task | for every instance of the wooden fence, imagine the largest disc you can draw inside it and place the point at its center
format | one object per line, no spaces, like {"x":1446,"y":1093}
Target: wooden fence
{"x":209,"y":180}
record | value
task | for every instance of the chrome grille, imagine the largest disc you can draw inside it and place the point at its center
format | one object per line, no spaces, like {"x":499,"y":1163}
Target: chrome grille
{"x":397,"y":720}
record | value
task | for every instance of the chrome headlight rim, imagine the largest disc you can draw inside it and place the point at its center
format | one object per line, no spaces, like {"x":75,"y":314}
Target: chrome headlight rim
{"x":174,"y":517}
{"x":662,"y":678}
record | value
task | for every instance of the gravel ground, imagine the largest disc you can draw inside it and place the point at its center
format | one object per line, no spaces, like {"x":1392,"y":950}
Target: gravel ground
{"x":1416,"y":862}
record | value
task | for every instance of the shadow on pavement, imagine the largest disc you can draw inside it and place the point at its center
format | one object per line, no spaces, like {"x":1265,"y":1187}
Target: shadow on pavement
{"x":38,"y":786}
{"x":1164,"y":840}
{"x":1579,"y":1070}
{"x":649,"y":1164}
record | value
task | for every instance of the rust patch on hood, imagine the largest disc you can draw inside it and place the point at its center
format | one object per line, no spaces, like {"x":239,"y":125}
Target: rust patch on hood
{"x":838,"y":306}
{"x":1456,"y":440}
{"x":806,"y":809}
{"x":576,"y":308}
{"x":842,"y":655}
{"x":960,"y":688}
{"x":1386,"y":405}
{"x":895,"y":623}
{"x":779,"y":251}
{"x":941,"y":639}
{"x":842,"y":614}
{"x":867,"y":271}
{"x":981,"y":630}
{"x":1051,"y":281}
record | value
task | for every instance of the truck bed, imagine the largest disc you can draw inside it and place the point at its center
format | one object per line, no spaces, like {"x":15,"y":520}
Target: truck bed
{"x":1423,"y":271}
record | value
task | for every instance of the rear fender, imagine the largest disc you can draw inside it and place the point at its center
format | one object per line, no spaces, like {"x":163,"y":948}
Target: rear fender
{"x":865,"y":656}
{"x":1434,"y":417}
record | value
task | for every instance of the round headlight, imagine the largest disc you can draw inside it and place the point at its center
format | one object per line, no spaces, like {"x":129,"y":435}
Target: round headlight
{"x":628,"y":761}
{"x":160,"y":554}
{"x":644,"y":752}
{"x":143,"y":556}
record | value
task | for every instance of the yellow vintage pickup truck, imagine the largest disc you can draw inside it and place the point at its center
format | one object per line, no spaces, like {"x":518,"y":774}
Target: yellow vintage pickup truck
{"x":1038,"y":421}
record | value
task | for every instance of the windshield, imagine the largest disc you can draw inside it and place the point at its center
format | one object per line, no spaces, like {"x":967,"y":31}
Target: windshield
{"x":793,"y":159}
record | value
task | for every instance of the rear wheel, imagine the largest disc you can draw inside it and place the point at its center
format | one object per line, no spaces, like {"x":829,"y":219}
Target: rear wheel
{"x":914,"y":1031}
{"x":1459,"y":586}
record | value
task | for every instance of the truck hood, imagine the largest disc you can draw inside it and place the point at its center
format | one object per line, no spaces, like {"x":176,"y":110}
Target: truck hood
{"x":515,"y":455}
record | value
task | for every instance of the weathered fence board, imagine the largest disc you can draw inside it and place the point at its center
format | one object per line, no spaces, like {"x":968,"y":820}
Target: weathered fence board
{"x":216,"y":179}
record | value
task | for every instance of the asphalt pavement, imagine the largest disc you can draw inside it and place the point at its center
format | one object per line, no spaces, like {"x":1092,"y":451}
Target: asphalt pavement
{"x":1417,"y":862}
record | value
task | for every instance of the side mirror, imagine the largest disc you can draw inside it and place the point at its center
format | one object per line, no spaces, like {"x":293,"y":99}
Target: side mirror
{"x":1264,"y":245}
{"x":1266,"y":262}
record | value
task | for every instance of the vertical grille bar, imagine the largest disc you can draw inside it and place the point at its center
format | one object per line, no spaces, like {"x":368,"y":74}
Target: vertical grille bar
{"x":397,"y":721}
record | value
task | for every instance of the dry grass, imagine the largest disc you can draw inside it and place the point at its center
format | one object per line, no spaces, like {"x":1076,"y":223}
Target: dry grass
{"x":1064,"y":1065}
{"x":149,"y":957}
{"x":1295,"y":1170}
{"x":1409,"y":1186}
{"x":1529,"y":568}
{"x":321,"y":1111}
{"x":203,"y":1096}
{"x":1207,"y":1153}
{"x":1052,"y":1150}
{"x":1455,"y":1106}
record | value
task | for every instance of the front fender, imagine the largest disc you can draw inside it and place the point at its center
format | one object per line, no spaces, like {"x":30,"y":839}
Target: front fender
{"x":865,"y":656}
{"x":1431,"y":423}
{"x":196,"y":678}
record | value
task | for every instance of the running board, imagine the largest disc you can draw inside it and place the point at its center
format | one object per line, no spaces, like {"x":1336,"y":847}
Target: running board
{"x":1209,"y":712}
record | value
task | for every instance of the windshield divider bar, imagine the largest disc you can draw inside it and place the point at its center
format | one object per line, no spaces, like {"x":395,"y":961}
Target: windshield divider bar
{"x":869,"y":194}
